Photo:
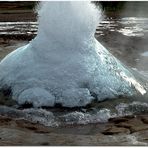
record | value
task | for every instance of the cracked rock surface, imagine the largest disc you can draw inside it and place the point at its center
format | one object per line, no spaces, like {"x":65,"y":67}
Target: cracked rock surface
{"x":117,"y":132}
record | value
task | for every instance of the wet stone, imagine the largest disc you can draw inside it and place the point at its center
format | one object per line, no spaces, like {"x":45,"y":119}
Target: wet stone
{"x":115,"y":130}
{"x":37,"y":128}
{"x":27,"y":133}
{"x":6,"y":98}
{"x":45,"y":144}
{"x":124,"y":124}
{"x":120,"y":119}
{"x":133,"y":125}
{"x":5,"y":120}
{"x":144,"y":119}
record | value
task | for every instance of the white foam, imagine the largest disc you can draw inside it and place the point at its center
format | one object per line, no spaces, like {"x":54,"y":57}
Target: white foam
{"x":145,"y":54}
{"x":65,"y":64}
{"x":100,"y":116}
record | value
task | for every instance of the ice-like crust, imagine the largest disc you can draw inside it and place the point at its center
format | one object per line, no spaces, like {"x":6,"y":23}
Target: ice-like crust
{"x":36,"y":95}
{"x":65,"y":64}
{"x":79,"y":97}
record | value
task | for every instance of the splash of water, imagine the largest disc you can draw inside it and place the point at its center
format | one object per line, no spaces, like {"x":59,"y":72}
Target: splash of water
{"x":65,"y":64}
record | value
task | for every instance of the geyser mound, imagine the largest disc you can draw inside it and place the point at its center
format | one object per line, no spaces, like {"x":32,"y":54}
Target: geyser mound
{"x":65,"y":64}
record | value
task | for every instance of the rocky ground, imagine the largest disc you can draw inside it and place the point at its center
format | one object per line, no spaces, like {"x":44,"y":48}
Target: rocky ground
{"x":125,"y":131}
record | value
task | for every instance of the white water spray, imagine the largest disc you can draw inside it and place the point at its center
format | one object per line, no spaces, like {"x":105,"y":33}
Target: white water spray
{"x":65,"y":64}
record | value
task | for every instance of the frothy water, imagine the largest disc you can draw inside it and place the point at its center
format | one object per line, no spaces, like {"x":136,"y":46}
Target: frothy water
{"x":61,"y":118}
{"x":66,"y":65}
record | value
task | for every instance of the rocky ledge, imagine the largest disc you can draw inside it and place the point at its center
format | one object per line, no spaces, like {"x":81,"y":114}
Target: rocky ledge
{"x":129,"y":130}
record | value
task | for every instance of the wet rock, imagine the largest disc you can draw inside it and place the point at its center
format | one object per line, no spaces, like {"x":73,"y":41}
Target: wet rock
{"x":33,"y":134}
{"x":144,"y":119}
{"x":115,"y":130}
{"x":120,"y":119}
{"x":133,"y":125}
{"x":138,"y":128}
{"x":6,"y":97}
{"x":5,"y":120}
{"x":37,"y":128}
{"x":45,"y":144}
{"x":124,"y":125}
{"x":142,"y":135}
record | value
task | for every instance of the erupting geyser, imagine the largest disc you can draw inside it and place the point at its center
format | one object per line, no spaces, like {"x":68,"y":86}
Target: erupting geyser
{"x":65,"y":64}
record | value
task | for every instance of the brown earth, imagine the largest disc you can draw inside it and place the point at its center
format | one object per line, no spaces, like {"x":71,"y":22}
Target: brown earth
{"x":119,"y":131}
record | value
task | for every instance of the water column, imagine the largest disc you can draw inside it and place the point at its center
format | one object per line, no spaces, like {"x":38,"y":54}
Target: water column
{"x":65,"y":64}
